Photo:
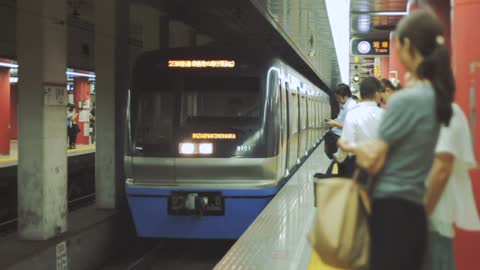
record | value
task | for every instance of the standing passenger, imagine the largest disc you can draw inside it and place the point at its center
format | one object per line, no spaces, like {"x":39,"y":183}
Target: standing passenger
{"x":344,"y":98}
{"x":402,"y":156}
{"x":361,"y":123}
{"x":72,"y":127}
{"x":387,"y":90}
{"x":449,"y":199}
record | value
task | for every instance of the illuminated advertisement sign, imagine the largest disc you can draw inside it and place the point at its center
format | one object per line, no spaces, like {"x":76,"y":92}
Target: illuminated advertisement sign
{"x":201,"y":63}
{"x":214,"y":136}
{"x":370,"y":46}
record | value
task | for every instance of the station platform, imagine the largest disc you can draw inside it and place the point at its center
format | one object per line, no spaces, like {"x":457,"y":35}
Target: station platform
{"x":12,"y":159}
{"x":277,"y":238}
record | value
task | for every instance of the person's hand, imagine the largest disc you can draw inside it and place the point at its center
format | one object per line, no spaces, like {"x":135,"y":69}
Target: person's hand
{"x":332,"y":123}
{"x":371,"y":156}
{"x":345,"y":145}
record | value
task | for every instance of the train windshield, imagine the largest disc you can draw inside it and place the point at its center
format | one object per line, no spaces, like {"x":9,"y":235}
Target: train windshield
{"x":220,"y":98}
{"x":160,"y":117}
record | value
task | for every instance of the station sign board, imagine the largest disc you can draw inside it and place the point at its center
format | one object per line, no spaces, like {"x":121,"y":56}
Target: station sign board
{"x":361,"y":46}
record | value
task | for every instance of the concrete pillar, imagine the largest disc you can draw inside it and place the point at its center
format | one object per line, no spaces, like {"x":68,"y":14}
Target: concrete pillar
{"x":42,"y":168}
{"x":112,"y":72}
{"x":4,"y":111}
{"x":81,"y":90}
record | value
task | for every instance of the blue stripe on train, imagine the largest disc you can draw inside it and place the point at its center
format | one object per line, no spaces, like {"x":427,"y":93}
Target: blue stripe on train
{"x":152,"y":220}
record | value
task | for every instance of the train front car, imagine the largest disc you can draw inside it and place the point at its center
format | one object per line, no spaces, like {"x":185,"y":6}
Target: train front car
{"x":202,"y":159}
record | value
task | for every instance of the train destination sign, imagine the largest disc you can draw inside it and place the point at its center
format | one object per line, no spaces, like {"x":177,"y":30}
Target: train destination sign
{"x":201,"y":63}
{"x":370,"y":46}
{"x":214,"y":136}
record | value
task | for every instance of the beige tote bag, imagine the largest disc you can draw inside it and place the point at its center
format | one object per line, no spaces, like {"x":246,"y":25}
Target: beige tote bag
{"x":340,"y":233}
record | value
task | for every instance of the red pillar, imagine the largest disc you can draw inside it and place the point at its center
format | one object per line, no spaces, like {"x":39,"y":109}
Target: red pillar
{"x":81,"y":88}
{"x":13,"y":112}
{"x":466,"y":66}
{"x":384,"y":67}
{"x":4,"y":111}
{"x":395,"y":63}
{"x":466,"y":60}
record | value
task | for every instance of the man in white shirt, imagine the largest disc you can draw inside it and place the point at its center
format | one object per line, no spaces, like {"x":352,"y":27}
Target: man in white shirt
{"x":344,"y":98}
{"x":361,"y":123}
{"x":449,"y":199}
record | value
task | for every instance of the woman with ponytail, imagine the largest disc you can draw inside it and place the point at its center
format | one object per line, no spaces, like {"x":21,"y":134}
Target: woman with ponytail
{"x":401,"y":157}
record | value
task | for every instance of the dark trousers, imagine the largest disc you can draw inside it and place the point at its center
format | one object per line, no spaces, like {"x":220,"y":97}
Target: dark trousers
{"x":72,"y":136}
{"x":398,"y":230}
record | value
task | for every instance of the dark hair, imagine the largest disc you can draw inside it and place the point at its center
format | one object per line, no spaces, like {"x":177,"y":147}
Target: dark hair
{"x":426,"y":35}
{"x":343,"y":90}
{"x":354,"y":97}
{"x":369,"y":86}
{"x":70,"y":106}
{"x":387,"y":84}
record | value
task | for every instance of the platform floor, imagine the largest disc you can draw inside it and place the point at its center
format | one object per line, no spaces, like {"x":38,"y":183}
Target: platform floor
{"x":277,"y":238}
{"x":12,"y":159}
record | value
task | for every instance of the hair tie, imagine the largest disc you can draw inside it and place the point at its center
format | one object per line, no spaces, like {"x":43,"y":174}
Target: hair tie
{"x":440,"y":40}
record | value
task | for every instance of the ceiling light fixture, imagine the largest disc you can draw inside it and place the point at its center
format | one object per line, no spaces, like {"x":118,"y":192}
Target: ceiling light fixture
{"x":381,"y":13}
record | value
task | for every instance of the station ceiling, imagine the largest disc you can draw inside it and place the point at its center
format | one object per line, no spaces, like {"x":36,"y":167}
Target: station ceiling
{"x":371,"y":19}
{"x":302,"y":24}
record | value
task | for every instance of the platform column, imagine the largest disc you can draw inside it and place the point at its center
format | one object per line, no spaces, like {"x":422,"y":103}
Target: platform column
{"x":396,"y":68}
{"x":4,"y":111}
{"x":112,"y":73}
{"x":466,"y":66}
{"x":42,"y":164}
{"x":13,"y":112}
{"x":466,"y":62}
{"x":81,"y":88}
{"x":384,"y":67}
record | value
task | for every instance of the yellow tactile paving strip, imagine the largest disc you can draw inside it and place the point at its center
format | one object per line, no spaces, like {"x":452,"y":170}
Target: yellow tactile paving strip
{"x":79,"y":149}
{"x":317,"y":264}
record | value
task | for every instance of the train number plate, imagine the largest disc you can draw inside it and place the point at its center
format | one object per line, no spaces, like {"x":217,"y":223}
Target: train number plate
{"x":196,"y":204}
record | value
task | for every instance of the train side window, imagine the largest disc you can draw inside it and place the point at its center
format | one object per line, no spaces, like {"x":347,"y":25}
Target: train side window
{"x":152,"y":120}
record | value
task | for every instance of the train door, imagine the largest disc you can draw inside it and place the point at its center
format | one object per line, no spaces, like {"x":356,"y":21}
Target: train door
{"x":301,"y":126}
{"x":283,"y":129}
{"x":292,"y":127}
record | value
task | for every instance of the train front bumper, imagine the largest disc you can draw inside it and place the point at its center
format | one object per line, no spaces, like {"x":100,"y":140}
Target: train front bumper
{"x":150,"y":211}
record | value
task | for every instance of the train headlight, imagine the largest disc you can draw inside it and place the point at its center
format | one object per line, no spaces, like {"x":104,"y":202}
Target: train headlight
{"x":187,"y":148}
{"x":205,"y":148}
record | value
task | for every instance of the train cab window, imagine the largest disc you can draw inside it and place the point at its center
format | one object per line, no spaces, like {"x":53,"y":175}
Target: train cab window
{"x":220,"y":98}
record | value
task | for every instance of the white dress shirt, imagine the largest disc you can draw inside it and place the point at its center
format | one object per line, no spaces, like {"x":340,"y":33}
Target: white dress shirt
{"x":361,"y":125}
{"x":457,"y":203}
{"x":349,"y":104}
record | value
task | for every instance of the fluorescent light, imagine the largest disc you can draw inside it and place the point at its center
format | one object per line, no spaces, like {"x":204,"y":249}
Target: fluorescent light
{"x":205,"y":148}
{"x":390,"y":13}
{"x":381,"y":13}
{"x":9,"y":65}
{"x":72,"y":73}
{"x":13,"y":80}
{"x":187,"y":148}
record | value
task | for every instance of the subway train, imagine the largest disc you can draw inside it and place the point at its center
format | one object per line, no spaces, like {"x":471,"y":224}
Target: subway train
{"x":212,"y":136}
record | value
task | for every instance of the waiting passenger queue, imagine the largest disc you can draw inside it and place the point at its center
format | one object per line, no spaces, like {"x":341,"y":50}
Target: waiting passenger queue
{"x":415,"y":146}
